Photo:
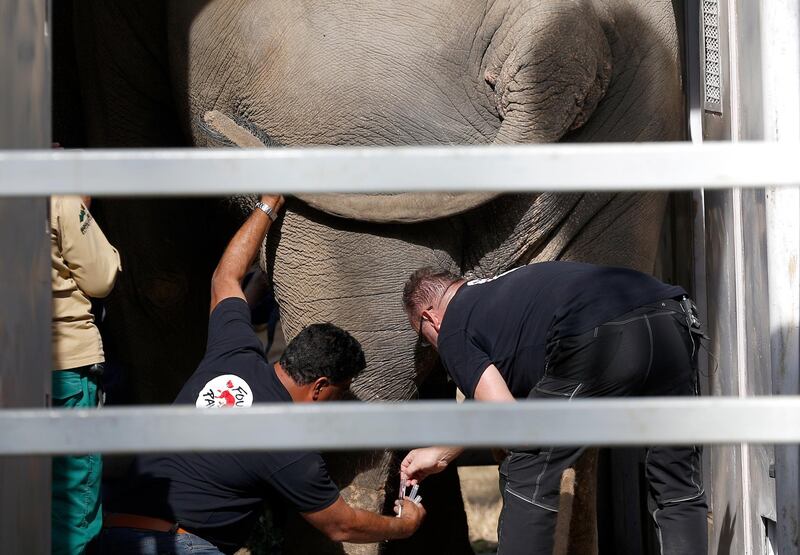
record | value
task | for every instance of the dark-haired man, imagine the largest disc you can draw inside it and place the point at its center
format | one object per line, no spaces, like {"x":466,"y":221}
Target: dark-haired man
{"x":563,"y":330}
{"x":209,"y":502}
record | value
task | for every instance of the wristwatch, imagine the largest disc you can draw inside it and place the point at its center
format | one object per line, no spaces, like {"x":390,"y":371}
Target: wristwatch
{"x":267,"y":209}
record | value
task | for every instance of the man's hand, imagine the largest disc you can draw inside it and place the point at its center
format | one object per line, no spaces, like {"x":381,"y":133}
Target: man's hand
{"x":411,"y":516}
{"x":421,"y":463}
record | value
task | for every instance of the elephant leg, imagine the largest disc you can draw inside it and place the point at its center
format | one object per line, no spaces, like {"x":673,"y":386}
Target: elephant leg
{"x":608,"y":229}
{"x":445,"y":529}
{"x":583,"y":531}
{"x":601,"y":228}
{"x":351,"y":274}
{"x":362,"y":479}
{"x":512,"y":230}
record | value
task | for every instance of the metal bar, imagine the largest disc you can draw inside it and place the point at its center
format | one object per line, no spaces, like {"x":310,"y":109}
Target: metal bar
{"x":559,"y":167}
{"x":781,"y":90}
{"x":692,"y":72}
{"x":338,"y":426}
{"x":25,"y":291}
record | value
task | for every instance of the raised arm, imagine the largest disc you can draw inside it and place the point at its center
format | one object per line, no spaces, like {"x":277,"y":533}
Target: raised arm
{"x":240,"y":252}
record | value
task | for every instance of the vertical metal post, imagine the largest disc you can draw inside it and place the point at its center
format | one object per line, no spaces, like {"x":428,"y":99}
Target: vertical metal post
{"x":725,"y":495}
{"x":756,"y":273}
{"x":749,"y":284}
{"x":25,"y":352}
{"x":781,"y":73}
{"x":736,"y":257}
{"x":692,"y":73}
{"x":783,"y":245}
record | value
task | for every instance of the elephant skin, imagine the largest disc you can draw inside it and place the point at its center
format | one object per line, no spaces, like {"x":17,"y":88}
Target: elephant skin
{"x":408,"y":72}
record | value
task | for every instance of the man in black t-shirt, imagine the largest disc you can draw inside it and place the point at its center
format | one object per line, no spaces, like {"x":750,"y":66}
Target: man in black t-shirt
{"x":209,"y":502}
{"x":562,"y":330}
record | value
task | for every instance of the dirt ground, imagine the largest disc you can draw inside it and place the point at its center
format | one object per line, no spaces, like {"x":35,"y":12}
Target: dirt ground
{"x":482,"y":502}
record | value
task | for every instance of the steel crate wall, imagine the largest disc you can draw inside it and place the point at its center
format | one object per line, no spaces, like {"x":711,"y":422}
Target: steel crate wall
{"x":24,"y":272}
{"x":746,"y":240}
{"x":751,"y":57}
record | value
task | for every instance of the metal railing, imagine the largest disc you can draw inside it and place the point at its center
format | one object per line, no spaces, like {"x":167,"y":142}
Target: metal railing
{"x":531,"y":168}
{"x":350,"y":425}
{"x":519,"y":168}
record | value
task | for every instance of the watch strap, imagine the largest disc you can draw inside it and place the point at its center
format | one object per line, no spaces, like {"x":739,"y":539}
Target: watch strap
{"x":267,"y":209}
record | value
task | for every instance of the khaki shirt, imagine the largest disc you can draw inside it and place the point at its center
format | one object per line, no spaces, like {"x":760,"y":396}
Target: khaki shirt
{"x":83,"y":265}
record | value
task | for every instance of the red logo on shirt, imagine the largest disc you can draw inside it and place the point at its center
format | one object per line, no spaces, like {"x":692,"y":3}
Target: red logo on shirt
{"x":226,"y":397}
{"x":225,"y":392}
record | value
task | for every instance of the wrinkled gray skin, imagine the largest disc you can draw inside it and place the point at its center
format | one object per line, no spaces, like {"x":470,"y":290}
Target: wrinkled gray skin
{"x":404,"y":72}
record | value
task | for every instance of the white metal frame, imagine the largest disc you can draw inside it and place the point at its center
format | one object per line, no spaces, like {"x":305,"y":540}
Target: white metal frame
{"x":352,"y":425}
{"x":662,"y":166}
{"x":519,"y":168}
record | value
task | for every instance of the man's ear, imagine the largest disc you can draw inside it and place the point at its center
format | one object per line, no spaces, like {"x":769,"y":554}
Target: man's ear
{"x":319,"y":385}
{"x":432,"y":316}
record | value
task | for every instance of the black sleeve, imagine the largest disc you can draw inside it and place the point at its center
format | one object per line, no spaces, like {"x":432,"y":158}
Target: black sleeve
{"x":230,"y":330}
{"x":306,"y":485}
{"x":464,"y":360}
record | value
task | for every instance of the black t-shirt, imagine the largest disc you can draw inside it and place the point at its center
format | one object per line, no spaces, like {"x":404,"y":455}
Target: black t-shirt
{"x":508,"y":320}
{"x":219,"y":496}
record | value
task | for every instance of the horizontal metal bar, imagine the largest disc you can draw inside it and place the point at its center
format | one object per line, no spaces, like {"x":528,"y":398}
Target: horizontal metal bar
{"x":552,"y":167}
{"x":338,"y":426}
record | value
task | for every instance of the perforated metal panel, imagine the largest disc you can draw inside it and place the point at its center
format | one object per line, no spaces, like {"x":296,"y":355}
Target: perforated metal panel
{"x":712,"y":95}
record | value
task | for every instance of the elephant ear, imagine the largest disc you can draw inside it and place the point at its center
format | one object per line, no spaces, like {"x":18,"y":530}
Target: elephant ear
{"x":548,"y":68}
{"x":378,"y":208}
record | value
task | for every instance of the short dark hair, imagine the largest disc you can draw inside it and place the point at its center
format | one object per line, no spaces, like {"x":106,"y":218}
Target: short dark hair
{"x":323,"y":351}
{"x":424,"y":287}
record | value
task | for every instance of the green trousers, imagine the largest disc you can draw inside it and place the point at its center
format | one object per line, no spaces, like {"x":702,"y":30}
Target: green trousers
{"x":77,"y":514}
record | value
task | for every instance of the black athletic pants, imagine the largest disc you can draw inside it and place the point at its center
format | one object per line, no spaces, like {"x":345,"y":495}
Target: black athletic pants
{"x":648,"y":351}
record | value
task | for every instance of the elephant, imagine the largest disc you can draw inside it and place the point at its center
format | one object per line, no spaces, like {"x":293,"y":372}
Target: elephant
{"x":289,"y":73}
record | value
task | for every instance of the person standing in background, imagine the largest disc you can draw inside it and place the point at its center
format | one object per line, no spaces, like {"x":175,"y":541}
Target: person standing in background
{"x":84,"y":265}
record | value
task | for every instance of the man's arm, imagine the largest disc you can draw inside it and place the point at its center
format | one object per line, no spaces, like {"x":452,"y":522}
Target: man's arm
{"x":421,"y":463}
{"x":240,"y":252}
{"x":492,"y":387}
{"x":343,"y":523}
{"x":92,"y":261}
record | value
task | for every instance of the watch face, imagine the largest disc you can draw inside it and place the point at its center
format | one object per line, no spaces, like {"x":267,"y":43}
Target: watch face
{"x":266,"y":209}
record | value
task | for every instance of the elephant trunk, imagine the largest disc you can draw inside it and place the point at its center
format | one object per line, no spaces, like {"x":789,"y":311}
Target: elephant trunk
{"x":545,"y":68}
